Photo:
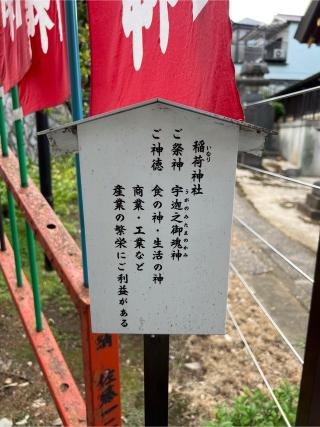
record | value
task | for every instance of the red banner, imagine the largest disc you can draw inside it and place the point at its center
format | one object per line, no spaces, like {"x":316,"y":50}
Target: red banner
{"x":47,"y":82}
{"x":179,"y":50}
{"x":2,"y":65}
{"x":14,"y":43}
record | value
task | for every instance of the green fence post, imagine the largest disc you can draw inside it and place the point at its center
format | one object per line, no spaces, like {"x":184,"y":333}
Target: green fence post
{"x":11,"y":207}
{"x":24,"y":183}
{"x":19,"y":134}
{"x":3,"y":133}
{"x":34,"y":276}
{"x":15,"y":237}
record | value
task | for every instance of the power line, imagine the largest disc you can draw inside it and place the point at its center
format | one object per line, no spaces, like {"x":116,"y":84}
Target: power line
{"x":276,"y":251}
{"x":257,"y":365}
{"x":276,"y":175}
{"x":266,"y":313}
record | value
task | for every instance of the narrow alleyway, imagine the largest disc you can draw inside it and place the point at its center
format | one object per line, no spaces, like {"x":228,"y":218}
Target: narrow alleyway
{"x":283,"y":291}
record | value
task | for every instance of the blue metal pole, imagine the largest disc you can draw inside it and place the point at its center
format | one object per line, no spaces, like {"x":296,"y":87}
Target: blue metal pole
{"x":77,"y":111}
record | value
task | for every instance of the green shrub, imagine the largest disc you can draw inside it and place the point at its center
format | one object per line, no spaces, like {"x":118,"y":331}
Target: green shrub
{"x":279,"y":110}
{"x":256,"y":408}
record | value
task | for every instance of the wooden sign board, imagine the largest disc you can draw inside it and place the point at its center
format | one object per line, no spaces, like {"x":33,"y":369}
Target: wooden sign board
{"x":158,"y":186}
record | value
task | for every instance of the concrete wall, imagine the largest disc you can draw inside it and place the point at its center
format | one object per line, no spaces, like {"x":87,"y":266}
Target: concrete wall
{"x":300,"y":145}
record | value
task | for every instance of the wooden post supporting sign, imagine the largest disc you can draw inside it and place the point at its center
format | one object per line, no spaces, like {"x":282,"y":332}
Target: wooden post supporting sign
{"x":308,"y":413}
{"x":156,"y":379}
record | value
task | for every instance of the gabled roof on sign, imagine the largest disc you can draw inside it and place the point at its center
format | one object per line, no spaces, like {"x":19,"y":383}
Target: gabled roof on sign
{"x":241,"y":124}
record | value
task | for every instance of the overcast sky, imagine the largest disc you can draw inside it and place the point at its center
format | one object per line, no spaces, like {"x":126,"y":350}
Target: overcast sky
{"x":264,"y":10}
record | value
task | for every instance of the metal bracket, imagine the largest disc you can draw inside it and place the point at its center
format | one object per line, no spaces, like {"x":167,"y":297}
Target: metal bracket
{"x":64,"y":140}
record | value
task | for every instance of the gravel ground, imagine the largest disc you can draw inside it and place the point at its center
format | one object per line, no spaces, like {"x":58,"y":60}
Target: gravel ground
{"x":224,"y":365}
{"x":204,"y":370}
{"x":277,"y":201}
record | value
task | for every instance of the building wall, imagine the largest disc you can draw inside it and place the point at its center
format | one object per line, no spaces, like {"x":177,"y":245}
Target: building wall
{"x":300,"y":145}
{"x":302,"y":61}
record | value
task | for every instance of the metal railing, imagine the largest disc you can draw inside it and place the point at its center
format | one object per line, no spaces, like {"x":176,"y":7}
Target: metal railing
{"x":266,"y":313}
{"x":278,"y":176}
{"x":65,"y":257}
{"x":288,"y":95}
{"x":308,"y":412}
{"x":255,"y":234}
{"x":258,"y":367}
{"x":273,"y":249}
